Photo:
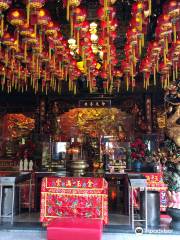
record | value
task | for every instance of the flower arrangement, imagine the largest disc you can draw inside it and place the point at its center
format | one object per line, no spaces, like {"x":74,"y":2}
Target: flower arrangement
{"x":139,"y":150}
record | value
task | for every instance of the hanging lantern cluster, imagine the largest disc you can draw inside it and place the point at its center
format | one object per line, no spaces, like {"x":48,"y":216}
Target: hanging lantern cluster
{"x":25,"y":60}
{"x":135,"y":40}
{"x":163,"y":54}
{"x":35,"y":55}
{"x":109,"y":71}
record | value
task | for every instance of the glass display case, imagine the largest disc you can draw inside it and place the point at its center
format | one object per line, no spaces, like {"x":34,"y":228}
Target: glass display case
{"x":54,"y":155}
{"x":114,"y":154}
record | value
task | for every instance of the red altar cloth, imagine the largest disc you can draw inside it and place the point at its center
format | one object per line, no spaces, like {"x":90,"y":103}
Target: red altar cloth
{"x":74,"y":197}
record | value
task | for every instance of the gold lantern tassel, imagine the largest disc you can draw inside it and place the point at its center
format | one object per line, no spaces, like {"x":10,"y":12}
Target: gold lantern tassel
{"x":174,"y":32}
{"x":150,"y":6}
{"x":132,"y":69}
{"x":69,"y":84}
{"x":176,"y":70}
{"x":164,"y":56}
{"x":139,"y":45}
{"x":71,"y":25}
{"x":174,"y":74}
{"x":35,"y":29}
{"x":37,"y":65}
{"x":19,"y":70}
{"x":67,"y":10}
{"x":4,"y":77}
{"x":165,"y":82}
{"x":60,"y":67}
{"x":13,"y":81}
{"x":141,"y":22}
{"x":110,"y":73}
{"x":118,"y":87}
{"x":39,"y":72}
{"x":168,"y":80}
{"x":25,"y":51}
{"x":157,"y":65}
{"x":144,"y":81}
{"x":134,"y":55}
{"x":45,"y":75}
{"x":17,"y":41}
{"x":166,"y":42}
{"x":28,"y":12}
{"x":40,"y":41}
{"x":78,"y":39}
{"x":142,"y":39}
{"x":127,"y":83}
{"x":2,"y":25}
{"x":75,"y":89}
{"x":25,"y":76}
{"x":154,"y":75}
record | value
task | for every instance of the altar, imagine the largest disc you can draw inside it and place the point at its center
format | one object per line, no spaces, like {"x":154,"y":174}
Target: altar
{"x":74,"y":197}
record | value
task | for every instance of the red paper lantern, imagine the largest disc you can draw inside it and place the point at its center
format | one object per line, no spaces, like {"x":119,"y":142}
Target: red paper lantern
{"x":70,"y":4}
{"x":172,"y":9}
{"x":33,"y":4}
{"x":16,"y":17}
{"x":79,"y":14}
{"x":26,"y":30}
{"x":43,"y":17}
{"x":52,"y":28}
{"x":7,"y":39}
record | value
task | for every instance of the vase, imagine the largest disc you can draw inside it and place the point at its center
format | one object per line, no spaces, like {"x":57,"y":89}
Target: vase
{"x":137,"y":165}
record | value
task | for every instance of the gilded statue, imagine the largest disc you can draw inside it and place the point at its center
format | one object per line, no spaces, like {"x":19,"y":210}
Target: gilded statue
{"x":173,"y":114}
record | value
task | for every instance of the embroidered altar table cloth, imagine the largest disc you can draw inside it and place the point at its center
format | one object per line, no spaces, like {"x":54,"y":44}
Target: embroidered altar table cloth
{"x":74,"y":197}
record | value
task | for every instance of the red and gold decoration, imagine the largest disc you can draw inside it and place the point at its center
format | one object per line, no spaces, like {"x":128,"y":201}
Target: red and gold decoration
{"x":74,"y":197}
{"x":4,"y":5}
{"x":93,"y":121}
{"x":35,"y":55}
{"x":163,"y":55}
{"x":155,"y":183}
{"x":18,"y":125}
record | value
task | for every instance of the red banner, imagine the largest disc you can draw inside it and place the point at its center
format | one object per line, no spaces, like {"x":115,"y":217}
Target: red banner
{"x":74,"y":197}
{"x":155,"y":183}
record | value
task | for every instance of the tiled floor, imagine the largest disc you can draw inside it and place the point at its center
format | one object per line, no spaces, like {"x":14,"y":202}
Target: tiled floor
{"x":39,"y":235}
{"x":28,"y":227}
